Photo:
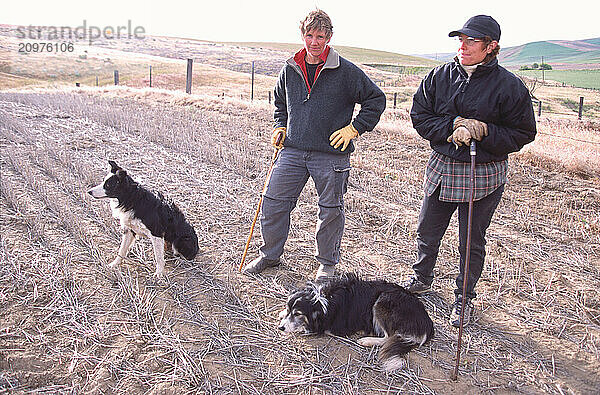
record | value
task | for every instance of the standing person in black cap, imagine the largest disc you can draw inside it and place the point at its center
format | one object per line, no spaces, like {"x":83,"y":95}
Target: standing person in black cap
{"x":470,"y":98}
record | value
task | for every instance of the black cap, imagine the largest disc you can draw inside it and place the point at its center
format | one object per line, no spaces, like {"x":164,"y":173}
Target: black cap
{"x":479,"y":26}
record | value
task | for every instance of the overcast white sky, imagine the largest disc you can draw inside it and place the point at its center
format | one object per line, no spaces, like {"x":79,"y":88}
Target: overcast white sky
{"x":421,"y":26}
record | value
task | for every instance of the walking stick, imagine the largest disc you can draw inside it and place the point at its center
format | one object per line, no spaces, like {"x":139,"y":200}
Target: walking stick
{"x":473,"y":152}
{"x":273,"y":159}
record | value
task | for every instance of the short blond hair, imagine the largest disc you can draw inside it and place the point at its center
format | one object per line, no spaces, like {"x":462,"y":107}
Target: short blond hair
{"x":317,"y":20}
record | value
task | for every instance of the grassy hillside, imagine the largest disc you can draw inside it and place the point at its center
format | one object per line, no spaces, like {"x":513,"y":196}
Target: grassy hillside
{"x":572,"y":52}
{"x":586,"y":51}
{"x":595,"y":41}
{"x":358,"y":55}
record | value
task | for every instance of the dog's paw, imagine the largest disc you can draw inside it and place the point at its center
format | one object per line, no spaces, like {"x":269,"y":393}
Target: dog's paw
{"x":369,"y":341}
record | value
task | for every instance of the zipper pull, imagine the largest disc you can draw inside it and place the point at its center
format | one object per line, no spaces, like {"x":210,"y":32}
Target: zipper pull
{"x":464,"y":87}
{"x":307,"y":97}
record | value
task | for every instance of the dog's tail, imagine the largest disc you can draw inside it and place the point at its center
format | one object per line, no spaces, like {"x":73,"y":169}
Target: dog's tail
{"x":395,"y":348}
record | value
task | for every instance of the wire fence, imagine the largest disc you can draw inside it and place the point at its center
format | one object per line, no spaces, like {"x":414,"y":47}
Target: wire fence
{"x":393,"y":98}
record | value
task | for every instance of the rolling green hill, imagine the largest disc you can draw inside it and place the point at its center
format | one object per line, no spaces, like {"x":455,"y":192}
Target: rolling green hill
{"x":595,"y":41}
{"x":555,"y":51}
{"x":581,"y":51}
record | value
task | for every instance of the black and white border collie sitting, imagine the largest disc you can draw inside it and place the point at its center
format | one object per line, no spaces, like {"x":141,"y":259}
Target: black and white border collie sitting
{"x":143,"y":213}
{"x":347,"y":305}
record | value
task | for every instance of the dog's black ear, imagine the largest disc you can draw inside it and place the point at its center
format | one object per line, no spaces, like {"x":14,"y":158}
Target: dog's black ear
{"x":122,"y":174}
{"x":113,"y":166}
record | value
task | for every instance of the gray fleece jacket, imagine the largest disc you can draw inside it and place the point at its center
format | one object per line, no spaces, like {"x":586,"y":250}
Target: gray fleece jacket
{"x":310,"y":118}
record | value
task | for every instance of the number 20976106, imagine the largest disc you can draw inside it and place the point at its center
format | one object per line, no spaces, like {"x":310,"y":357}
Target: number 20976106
{"x":46,"y":47}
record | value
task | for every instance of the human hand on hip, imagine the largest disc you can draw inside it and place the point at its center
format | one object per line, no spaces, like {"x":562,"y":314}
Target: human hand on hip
{"x":343,"y":137}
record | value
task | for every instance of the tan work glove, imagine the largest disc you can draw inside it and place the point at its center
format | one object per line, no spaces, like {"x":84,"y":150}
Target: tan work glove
{"x":343,"y":136}
{"x":275,"y":136}
{"x":477,"y":128}
{"x":460,"y":136}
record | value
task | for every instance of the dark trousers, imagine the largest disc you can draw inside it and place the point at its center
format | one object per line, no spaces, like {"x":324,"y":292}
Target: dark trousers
{"x":433,"y":221}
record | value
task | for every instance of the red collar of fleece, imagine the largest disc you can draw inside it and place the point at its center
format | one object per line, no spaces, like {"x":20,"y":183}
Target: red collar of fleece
{"x":299,"y":58}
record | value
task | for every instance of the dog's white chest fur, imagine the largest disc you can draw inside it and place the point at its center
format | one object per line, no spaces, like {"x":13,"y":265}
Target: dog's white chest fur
{"x":127,"y":220}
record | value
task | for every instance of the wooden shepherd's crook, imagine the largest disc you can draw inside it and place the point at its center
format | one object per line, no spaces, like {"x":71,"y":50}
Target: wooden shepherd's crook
{"x":473,"y":151}
{"x":273,"y":159}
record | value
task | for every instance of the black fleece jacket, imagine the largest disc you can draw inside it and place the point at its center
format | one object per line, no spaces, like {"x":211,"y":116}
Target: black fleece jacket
{"x":492,"y":94}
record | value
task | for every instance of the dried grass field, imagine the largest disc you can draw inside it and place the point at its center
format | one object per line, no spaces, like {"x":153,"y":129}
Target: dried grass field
{"x":71,"y":325}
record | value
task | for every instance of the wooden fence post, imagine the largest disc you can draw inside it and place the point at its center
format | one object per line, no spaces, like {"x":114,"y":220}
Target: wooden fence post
{"x":580,"y":106}
{"x":116,"y":77}
{"x":96,"y":80}
{"x":252,"y":92}
{"x":188,"y":81}
{"x":539,"y":108}
{"x":395,"y":97}
{"x":269,"y":97}
{"x":150,"y":76}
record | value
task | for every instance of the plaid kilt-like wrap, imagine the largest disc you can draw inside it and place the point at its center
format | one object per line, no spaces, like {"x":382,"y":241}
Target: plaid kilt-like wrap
{"x":454,"y":178}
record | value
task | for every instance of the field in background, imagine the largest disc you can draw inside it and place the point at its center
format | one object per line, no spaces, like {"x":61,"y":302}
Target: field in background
{"x":224,"y":68}
{"x":357,"y":55}
{"x":574,"y":63}
{"x":555,"y":52}
{"x":580,"y":78}
{"x":70,"y":324}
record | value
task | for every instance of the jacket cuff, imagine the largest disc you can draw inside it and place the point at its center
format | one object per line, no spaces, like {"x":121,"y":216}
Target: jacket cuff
{"x":360,"y":132}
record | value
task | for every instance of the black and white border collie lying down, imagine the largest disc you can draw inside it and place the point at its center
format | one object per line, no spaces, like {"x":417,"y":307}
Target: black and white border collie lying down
{"x":347,"y":305}
{"x":143,"y":213}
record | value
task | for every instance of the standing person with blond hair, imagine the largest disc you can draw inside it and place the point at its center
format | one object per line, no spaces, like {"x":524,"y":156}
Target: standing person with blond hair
{"x":315,"y":98}
{"x":471,"y":98}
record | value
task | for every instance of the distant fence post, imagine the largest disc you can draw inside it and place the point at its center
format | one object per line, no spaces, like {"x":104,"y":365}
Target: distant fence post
{"x":395,"y":97}
{"x":150,"y":76}
{"x":116,"y":77}
{"x":252,"y":91}
{"x":77,"y":84}
{"x":269,"y":97}
{"x":580,"y":106}
{"x":539,"y":108}
{"x":188,"y":81}
{"x":96,"y":80}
